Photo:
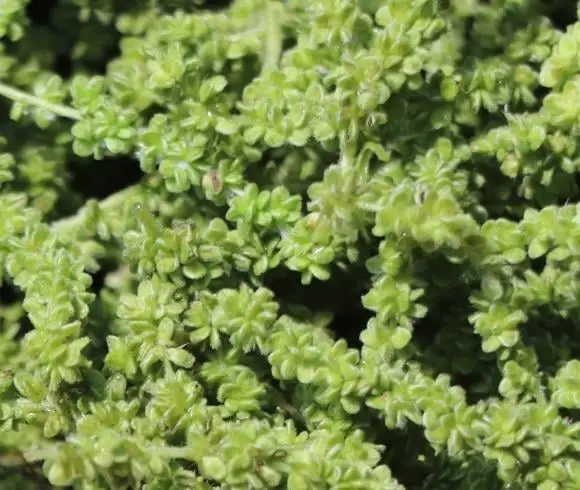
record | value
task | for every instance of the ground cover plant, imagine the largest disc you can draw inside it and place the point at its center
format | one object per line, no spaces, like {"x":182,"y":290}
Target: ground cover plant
{"x":303,"y":244}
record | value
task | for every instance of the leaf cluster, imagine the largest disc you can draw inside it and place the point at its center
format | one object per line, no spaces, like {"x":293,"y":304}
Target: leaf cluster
{"x":187,"y":329}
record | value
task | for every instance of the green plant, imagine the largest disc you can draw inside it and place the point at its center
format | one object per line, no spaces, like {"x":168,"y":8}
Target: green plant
{"x":330,"y":244}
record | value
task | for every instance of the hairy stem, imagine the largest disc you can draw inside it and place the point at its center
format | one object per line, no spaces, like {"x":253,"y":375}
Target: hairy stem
{"x":274,"y":37}
{"x":66,"y":226}
{"x":20,"y":96}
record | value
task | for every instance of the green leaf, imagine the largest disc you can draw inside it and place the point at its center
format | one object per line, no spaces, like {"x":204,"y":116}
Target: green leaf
{"x":300,"y":137}
{"x":537,"y":248}
{"x":181,"y":357}
{"x":350,"y":404}
{"x":58,"y":475}
{"x":549,"y":76}
{"x":253,"y":134}
{"x":412,"y":65}
{"x":274,"y":138}
{"x":509,"y":339}
{"x":323,"y":131}
{"x":297,"y":482}
{"x":515,"y":255}
{"x":536,"y":137}
{"x":120,"y":357}
{"x":559,"y":254}
{"x":213,"y":467}
{"x":29,"y":386}
{"x":53,"y":425}
{"x":449,"y":89}
{"x":401,"y":337}
{"x":226,"y":126}
{"x":211,"y":87}
{"x":270,"y":476}
{"x":321,"y":272}
{"x":491,"y":344}
{"x":549,"y":485}
{"x":305,"y":374}
{"x":492,"y":287}
{"x":383,"y":16}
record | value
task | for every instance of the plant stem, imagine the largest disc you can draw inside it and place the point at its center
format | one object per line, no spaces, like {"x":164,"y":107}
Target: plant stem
{"x":20,"y":96}
{"x":66,"y":226}
{"x":274,"y":37}
{"x":281,"y":402}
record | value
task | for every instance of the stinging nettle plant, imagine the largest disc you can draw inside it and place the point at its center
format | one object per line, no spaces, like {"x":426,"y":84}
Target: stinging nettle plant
{"x":298,"y":244}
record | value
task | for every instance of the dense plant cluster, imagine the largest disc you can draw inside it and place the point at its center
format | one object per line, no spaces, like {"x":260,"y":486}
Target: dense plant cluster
{"x":298,"y":244}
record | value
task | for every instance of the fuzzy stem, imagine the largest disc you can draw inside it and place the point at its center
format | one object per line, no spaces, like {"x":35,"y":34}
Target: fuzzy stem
{"x":274,"y":37}
{"x":66,"y":226}
{"x":19,"y":96}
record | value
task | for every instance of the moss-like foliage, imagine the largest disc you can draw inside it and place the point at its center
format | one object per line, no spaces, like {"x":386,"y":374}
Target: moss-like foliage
{"x":302,"y":244}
